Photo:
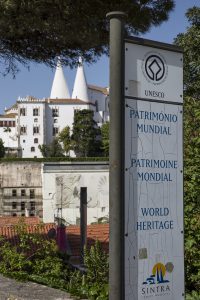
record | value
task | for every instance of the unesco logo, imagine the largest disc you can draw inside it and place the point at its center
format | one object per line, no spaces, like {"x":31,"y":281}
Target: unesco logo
{"x":154,"y":68}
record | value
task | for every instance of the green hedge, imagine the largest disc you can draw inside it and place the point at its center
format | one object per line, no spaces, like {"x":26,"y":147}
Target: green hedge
{"x":54,"y":159}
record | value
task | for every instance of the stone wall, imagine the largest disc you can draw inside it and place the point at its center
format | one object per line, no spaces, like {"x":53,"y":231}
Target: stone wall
{"x":20,"y":189}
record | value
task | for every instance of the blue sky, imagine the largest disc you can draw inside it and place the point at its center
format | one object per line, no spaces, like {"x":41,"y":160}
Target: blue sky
{"x":37,"y":82}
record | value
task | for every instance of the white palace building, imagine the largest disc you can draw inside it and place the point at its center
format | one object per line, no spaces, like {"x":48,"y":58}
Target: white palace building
{"x":31,"y":122}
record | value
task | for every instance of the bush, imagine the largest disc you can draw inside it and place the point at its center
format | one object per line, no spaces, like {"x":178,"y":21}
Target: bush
{"x":94,"y":283}
{"x":37,"y":259}
{"x":34,"y":258}
{"x":55,"y":159}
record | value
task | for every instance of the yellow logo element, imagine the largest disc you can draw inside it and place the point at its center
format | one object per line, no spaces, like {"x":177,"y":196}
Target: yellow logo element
{"x":158,"y":273}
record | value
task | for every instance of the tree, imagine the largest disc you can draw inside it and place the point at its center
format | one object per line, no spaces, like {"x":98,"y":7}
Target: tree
{"x":105,"y":138}
{"x":2,"y":149}
{"x":190,"y":42}
{"x":52,"y":150}
{"x":85,"y":134}
{"x":65,"y":139}
{"x":41,"y":30}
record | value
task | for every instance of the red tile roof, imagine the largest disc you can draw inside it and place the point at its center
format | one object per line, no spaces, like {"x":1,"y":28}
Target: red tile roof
{"x":98,"y":232}
{"x":9,"y":220}
{"x":94,"y":232}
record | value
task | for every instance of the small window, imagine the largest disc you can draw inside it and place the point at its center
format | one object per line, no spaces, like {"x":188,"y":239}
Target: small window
{"x":32,"y":205}
{"x":55,"y":120}
{"x":14,"y":193}
{"x":24,"y":141}
{"x":55,"y":131}
{"x":32,"y":214}
{"x":78,"y":221}
{"x":35,"y":112}
{"x":32,"y":149}
{"x":22,"y":206}
{"x":23,"y":214}
{"x":36,"y":141}
{"x":14,"y":214}
{"x":36,"y":130}
{"x":36,"y":120}
{"x":103,"y":209}
{"x":32,"y":194}
{"x":55,"y":112}
{"x":14,"y":205}
{"x":23,"y":193}
{"x":22,"y":112}
{"x":22,"y":130}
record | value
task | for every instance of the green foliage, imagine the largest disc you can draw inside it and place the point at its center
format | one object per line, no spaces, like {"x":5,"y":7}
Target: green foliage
{"x":2,"y":148}
{"x":65,"y":139}
{"x":192,"y":192}
{"x":37,"y":259}
{"x":85,"y":134}
{"x":93,"y":284}
{"x":55,"y":159}
{"x":105,"y":138}
{"x":190,"y":42}
{"x":34,"y":258}
{"x":193,"y":296}
{"x":28,"y":30}
{"x":54,"y":149}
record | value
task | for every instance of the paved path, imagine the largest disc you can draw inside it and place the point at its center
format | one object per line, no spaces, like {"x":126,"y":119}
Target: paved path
{"x":14,"y":290}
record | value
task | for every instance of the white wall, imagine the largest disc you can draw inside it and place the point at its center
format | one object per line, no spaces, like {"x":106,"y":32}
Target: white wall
{"x":27,"y":140}
{"x":65,"y":117}
{"x":62,"y":183}
{"x":9,"y":138}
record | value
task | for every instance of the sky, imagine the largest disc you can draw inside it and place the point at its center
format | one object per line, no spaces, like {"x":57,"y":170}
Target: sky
{"x":38,"y":80}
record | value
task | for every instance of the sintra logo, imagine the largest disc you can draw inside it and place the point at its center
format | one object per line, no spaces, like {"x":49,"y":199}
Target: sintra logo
{"x":154,"y":68}
{"x":157,"y":283}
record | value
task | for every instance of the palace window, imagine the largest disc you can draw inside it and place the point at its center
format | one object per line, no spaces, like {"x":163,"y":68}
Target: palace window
{"x":55,"y":112}
{"x":22,"y":130}
{"x":36,"y":130}
{"x":103,"y":209}
{"x":23,"y":193}
{"x":32,"y":149}
{"x":14,"y":193}
{"x":32,"y":194}
{"x":14,"y":205}
{"x":35,"y":112}
{"x":32,"y":205}
{"x":22,"y":111}
{"x":55,"y":131}
{"x":22,"y":206}
{"x":36,"y":141}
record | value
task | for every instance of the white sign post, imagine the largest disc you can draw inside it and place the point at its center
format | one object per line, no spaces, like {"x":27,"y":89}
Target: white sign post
{"x":154,"y":256}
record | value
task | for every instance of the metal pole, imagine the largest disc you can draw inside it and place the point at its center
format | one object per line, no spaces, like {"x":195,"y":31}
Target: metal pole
{"x":83,"y":220}
{"x":116,"y":185}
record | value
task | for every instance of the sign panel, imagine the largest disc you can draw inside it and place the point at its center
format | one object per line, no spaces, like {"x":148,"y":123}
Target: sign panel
{"x":152,"y":73}
{"x":154,"y":256}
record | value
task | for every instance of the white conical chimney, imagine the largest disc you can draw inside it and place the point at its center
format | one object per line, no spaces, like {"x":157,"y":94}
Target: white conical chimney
{"x":80,"y":90}
{"x":59,"y":88}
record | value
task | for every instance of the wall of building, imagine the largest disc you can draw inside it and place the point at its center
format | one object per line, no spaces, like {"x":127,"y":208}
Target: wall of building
{"x":65,"y":117}
{"x":30,"y":140}
{"x":61,"y":189}
{"x":20,"y":189}
{"x":8,"y":132}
